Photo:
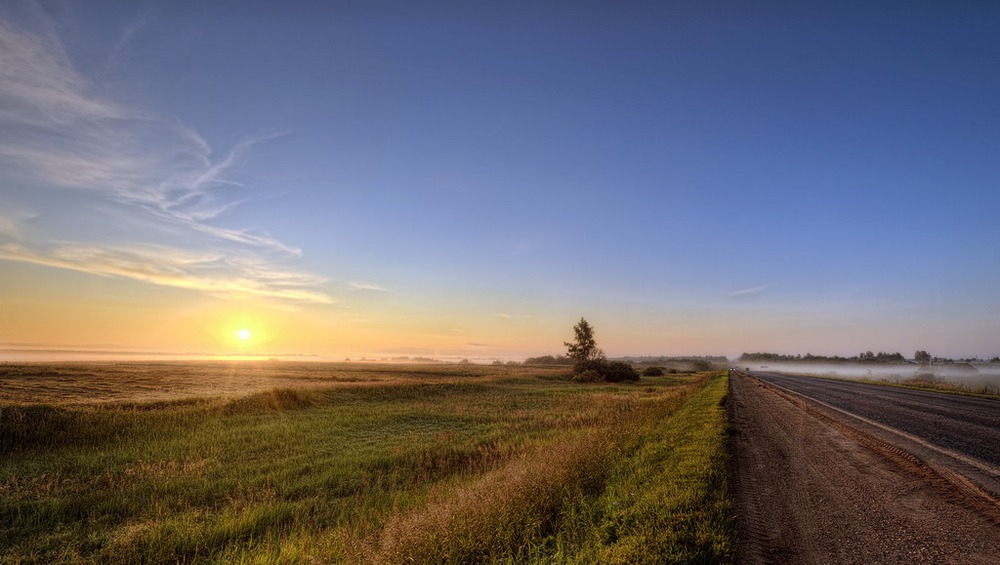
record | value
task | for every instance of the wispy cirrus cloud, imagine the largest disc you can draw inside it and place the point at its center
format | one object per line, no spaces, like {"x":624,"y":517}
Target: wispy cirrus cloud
{"x":119,"y":50}
{"x":11,"y":220}
{"x":367,"y":287}
{"x":751,"y":290}
{"x":59,"y":135}
{"x":208,"y":272}
{"x":51,"y":92}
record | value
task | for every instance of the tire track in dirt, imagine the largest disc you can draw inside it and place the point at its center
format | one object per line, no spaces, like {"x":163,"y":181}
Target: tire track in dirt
{"x":809,"y":488}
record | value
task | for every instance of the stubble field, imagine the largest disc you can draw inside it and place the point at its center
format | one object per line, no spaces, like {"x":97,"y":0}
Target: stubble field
{"x":261,"y":462}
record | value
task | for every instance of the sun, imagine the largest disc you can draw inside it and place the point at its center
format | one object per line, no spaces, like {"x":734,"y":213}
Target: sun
{"x":243,"y":334}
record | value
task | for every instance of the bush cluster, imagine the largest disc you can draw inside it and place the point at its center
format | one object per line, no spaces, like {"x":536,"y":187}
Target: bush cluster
{"x":701,"y":365}
{"x":603,"y":370}
{"x":653,"y":372}
{"x":587,"y":376}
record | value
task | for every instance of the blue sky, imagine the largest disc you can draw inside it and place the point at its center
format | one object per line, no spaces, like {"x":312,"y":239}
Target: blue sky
{"x":468,"y":179}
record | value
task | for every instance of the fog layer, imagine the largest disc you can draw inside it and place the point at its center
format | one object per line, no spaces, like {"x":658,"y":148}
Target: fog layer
{"x":969,"y":375}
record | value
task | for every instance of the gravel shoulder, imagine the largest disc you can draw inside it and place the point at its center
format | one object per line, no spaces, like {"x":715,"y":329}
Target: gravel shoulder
{"x":812,"y":488}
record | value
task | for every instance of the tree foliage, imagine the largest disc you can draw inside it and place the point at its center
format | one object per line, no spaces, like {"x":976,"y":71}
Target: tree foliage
{"x":922,"y":357}
{"x":584,"y":346}
{"x":590,"y":364}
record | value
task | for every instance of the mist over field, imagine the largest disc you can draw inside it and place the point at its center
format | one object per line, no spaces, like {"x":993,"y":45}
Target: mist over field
{"x":971,"y":375}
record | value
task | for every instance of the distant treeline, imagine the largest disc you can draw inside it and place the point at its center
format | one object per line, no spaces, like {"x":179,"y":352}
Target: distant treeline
{"x":664,"y":360}
{"x":550,"y":360}
{"x":700,"y":360}
{"x":866,"y":357}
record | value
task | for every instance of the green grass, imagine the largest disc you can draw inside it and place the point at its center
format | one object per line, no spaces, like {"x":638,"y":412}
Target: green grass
{"x":399,"y":464}
{"x":667,"y":499}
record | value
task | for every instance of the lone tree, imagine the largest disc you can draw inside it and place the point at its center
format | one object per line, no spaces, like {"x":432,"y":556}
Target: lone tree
{"x":922,"y":357}
{"x":584,"y":348}
{"x":591,"y":365}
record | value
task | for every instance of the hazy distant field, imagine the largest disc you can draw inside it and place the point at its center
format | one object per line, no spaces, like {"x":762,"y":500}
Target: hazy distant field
{"x":277,"y":462}
{"x":102,"y":382}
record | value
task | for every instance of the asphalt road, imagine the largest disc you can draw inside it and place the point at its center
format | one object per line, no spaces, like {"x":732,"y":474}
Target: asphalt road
{"x":815,"y":483}
{"x":966,"y":425}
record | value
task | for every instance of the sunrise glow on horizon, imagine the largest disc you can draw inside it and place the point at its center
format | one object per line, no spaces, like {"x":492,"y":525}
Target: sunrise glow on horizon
{"x":466,"y":180}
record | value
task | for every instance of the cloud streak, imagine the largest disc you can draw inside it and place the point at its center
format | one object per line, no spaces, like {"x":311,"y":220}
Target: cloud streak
{"x":39,"y":88}
{"x":207,"y":272}
{"x":366,"y":287}
{"x":754,"y":290}
{"x":57,"y":135}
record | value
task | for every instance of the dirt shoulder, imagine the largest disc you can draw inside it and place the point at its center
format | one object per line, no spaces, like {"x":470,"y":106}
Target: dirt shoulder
{"x":810,"y":489}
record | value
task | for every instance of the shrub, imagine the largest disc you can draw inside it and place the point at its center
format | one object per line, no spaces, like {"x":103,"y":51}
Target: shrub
{"x":588,"y":365}
{"x":701,"y":365}
{"x":608,"y":371}
{"x":588,"y":376}
{"x":618,"y":371}
{"x":652,"y":372}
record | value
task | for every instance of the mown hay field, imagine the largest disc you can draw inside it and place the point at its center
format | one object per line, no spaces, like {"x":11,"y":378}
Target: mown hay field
{"x":359,"y":464}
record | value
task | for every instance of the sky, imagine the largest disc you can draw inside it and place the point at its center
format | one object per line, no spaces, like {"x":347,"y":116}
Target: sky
{"x":469,"y":179}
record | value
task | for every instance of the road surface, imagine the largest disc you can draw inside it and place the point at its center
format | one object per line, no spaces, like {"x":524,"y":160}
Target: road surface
{"x":963,"y":425}
{"x":838,"y":472}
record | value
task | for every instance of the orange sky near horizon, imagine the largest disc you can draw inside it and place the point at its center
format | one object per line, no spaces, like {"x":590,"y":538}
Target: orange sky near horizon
{"x":50,"y":308}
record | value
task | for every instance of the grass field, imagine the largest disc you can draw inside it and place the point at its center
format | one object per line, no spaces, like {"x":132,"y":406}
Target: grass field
{"x":360,"y":464}
{"x":983,"y":390}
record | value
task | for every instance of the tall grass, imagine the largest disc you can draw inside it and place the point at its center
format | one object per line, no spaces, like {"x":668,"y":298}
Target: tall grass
{"x":430,"y":468}
{"x":925,"y":383}
{"x":665,"y":498}
{"x":668,"y":501}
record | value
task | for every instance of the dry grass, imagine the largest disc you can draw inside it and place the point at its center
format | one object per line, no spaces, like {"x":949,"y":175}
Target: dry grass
{"x":924,"y":383}
{"x":496,"y":514}
{"x":984,"y":390}
{"x":152,"y":382}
